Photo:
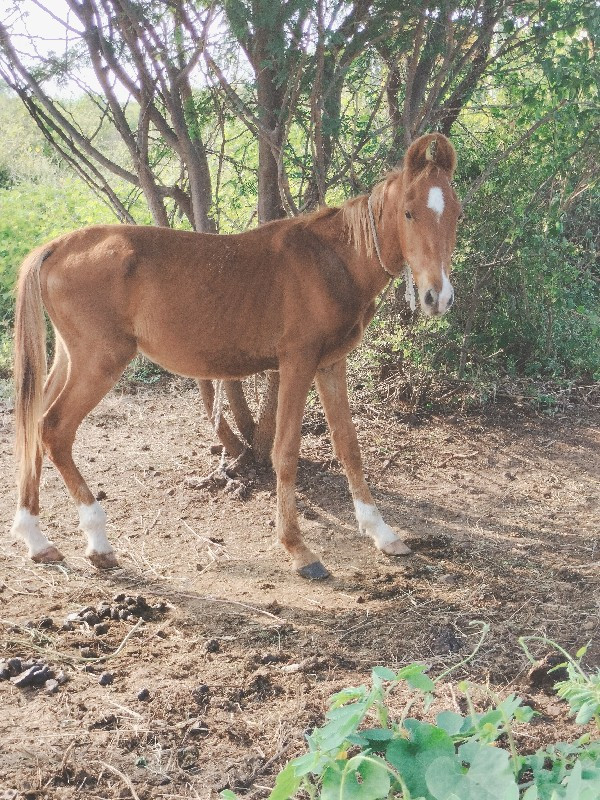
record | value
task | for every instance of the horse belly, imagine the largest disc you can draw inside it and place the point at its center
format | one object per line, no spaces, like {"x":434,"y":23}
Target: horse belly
{"x":208,"y":343}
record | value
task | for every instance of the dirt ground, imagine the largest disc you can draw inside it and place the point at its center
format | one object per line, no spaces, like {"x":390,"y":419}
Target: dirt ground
{"x":238,"y":655}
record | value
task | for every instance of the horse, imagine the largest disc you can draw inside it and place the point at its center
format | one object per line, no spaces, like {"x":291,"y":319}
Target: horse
{"x":293,"y":295}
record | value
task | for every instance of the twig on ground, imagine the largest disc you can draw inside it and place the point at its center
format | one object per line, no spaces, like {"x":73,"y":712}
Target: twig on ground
{"x":61,"y":656}
{"x":210,"y":599}
{"x":123,"y":777}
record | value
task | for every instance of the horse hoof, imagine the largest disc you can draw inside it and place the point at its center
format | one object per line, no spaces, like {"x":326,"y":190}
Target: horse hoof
{"x":314,"y":572}
{"x":396,"y":548}
{"x":51,"y":555}
{"x":103,"y":560}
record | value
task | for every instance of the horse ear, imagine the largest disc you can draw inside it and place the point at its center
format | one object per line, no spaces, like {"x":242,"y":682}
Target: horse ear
{"x":433,"y":148}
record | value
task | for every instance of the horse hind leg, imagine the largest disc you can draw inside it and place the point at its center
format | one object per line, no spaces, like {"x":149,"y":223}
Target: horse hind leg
{"x":27,"y":522}
{"x":87,"y":383}
{"x":295,"y":380}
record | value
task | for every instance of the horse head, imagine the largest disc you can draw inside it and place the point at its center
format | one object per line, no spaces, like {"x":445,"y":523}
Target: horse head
{"x":427,"y":211}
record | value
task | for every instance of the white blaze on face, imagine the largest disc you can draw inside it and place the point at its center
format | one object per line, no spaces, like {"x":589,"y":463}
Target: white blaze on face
{"x":447,"y":291}
{"x":435,"y":201}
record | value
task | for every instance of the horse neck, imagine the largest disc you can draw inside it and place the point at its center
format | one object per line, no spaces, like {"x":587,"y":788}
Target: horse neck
{"x":377,"y":261}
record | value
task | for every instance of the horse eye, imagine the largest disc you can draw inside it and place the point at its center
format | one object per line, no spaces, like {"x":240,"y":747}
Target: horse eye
{"x":408,"y":215}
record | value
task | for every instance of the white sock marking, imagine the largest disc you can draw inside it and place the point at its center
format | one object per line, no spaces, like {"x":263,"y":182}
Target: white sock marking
{"x":370,"y":522}
{"x":435,"y":201}
{"x":27,"y":527}
{"x":92,"y":521}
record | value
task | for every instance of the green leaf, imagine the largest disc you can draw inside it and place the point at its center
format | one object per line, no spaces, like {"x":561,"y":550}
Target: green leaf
{"x":309,"y":763}
{"x":286,"y":784}
{"x":343,"y":722}
{"x":385,"y":673}
{"x":412,"y":757}
{"x":227,"y":794}
{"x":587,"y":712}
{"x":489,"y":776}
{"x":414,"y":675}
{"x":360,"y":778}
{"x":450,"y":721}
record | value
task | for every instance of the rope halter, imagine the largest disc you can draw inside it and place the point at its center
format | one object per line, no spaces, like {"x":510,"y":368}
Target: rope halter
{"x":409,"y":294}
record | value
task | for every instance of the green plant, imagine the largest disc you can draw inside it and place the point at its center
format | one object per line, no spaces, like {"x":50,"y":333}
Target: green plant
{"x":580,"y":689}
{"x":363,"y":753}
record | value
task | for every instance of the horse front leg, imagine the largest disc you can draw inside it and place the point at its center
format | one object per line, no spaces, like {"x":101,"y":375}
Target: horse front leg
{"x":295,"y":381}
{"x":333,"y":390}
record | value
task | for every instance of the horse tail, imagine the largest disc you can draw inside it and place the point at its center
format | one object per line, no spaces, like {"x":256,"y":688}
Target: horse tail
{"x":30,"y":363}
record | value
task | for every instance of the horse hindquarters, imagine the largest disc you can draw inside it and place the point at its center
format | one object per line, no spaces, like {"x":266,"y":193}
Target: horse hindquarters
{"x":87,"y":365}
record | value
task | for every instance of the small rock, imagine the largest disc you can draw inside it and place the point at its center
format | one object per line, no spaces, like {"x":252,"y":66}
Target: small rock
{"x":14,"y":666}
{"x":212,"y":646}
{"x":143,"y":694}
{"x":199,"y":729}
{"x":106,"y":678}
{"x":101,"y":628}
{"x":4,"y":671}
{"x":115,"y":614}
{"x":62,"y":677}
{"x":51,"y":686}
{"x":124,"y":614}
{"x":118,"y":598}
{"x":91,"y":617}
{"x":449,"y":580}
{"x":101,"y":495}
{"x":103,"y":610}
{"x":34,"y":676}
{"x":45,"y":623}
{"x":87,"y":652}
{"x":67,"y":626}
{"x":200,"y":693}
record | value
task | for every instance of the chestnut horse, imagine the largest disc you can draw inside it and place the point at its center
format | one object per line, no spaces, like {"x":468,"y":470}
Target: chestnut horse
{"x":293,"y":295}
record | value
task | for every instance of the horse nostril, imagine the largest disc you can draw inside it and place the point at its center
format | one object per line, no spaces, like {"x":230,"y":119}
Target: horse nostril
{"x":429,"y":301}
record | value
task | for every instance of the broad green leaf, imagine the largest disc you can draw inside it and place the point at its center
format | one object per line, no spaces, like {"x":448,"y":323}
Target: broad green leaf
{"x":378,"y":734}
{"x":384,"y":673}
{"x":309,"y":763}
{"x":343,"y":722}
{"x":360,"y":778}
{"x":412,"y":757}
{"x":488,"y":777}
{"x":286,"y":784}
{"x":450,"y":721}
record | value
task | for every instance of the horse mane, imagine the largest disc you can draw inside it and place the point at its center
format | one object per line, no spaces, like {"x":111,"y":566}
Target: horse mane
{"x":356,"y":215}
